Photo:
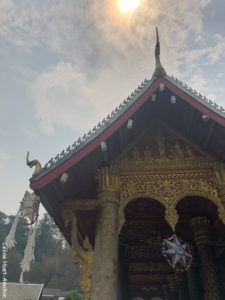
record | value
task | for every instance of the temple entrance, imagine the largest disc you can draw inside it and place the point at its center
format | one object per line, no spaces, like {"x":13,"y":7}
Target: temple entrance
{"x":144,"y":273}
{"x":144,"y":269}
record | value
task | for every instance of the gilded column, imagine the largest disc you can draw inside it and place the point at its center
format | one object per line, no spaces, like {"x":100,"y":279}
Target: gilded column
{"x":203,"y":241}
{"x":104,"y":284}
{"x":193,"y":278}
{"x":181,"y":284}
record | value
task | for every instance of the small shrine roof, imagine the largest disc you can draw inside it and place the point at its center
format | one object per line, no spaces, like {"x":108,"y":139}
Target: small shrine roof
{"x":21,"y":291}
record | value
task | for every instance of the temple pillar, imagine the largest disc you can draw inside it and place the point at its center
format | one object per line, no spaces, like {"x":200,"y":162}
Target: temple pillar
{"x":193,"y":278}
{"x":104,"y":284}
{"x":203,"y":241}
{"x":181,"y":284}
{"x":172,"y":287}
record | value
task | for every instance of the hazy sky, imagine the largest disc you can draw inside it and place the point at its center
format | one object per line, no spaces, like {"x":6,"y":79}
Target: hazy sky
{"x":66,"y":64}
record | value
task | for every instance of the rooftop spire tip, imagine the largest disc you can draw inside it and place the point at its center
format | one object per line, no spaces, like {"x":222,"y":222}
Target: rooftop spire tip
{"x":159,"y":70}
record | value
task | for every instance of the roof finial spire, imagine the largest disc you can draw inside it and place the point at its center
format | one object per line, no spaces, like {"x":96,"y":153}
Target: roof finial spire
{"x":159,"y":70}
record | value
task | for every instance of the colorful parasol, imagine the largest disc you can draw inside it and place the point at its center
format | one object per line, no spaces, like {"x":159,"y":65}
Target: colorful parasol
{"x":177,"y":253}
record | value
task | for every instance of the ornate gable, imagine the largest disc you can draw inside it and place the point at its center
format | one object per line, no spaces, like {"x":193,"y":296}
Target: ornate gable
{"x":163,"y":165}
{"x":161,"y":148}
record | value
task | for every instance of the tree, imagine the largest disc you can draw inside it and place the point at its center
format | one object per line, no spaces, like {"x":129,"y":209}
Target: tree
{"x":21,"y":231}
{"x":53,"y":260}
{"x":36,"y":274}
{"x":13,"y":268}
{"x":74,"y":295}
{"x":46,"y":239}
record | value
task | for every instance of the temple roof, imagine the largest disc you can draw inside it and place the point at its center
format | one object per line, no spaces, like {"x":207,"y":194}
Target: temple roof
{"x":105,"y":129}
{"x":125,"y":111}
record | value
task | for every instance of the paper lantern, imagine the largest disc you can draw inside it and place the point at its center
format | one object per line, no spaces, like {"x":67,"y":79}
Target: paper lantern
{"x":177,"y":253}
{"x":29,"y":208}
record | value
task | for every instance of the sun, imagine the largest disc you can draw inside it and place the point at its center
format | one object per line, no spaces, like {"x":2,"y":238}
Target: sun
{"x":128,"y":5}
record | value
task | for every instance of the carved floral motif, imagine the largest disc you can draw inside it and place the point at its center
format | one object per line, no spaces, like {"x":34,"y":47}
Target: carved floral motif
{"x":168,"y":189}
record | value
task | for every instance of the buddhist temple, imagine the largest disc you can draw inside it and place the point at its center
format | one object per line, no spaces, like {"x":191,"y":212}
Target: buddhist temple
{"x":151,"y":175}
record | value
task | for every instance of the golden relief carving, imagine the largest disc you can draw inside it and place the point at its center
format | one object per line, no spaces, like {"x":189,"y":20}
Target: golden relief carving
{"x":81,"y":256}
{"x":161,"y":164}
{"x":108,"y":179}
{"x":219,"y":170}
{"x":177,"y":158}
{"x":168,"y":189}
{"x":108,"y":186}
{"x":161,"y":149}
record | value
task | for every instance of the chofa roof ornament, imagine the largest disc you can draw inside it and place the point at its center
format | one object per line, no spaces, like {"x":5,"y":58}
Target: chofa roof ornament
{"x":34,"y":163}
{"x":159,"y":70}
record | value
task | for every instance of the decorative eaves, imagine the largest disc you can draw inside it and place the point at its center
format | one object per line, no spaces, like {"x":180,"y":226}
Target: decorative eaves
{"x":115,"y":114}
{"x":96,"y":130}
{"x":197,"y":96}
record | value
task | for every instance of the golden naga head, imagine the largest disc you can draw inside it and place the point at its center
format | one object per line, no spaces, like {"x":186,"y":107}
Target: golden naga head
{"x":33,"y":163}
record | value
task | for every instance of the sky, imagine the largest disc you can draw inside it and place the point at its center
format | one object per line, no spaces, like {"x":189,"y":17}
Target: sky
{"x":66,"y":64}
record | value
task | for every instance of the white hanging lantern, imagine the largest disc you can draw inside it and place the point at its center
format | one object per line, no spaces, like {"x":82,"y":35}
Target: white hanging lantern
{"x":28,"y":211}
{"x":173,"y":99}
{"x":153,"y":97}
{"x":64,"y":177}
{"x":161,"y":87}
{"x":30,"y":208}
{"x":129,"y":124}
{"x":103,"y":146}
{"x":205,"y":118}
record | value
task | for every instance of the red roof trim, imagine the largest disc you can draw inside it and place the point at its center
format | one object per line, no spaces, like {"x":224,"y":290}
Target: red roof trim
{"x":118,"y":123}
{"x":199,"y":106}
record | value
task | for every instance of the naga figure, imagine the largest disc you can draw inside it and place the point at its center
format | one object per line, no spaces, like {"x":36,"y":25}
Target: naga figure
{"x":82,"y":256}
{"x":34,"y":163}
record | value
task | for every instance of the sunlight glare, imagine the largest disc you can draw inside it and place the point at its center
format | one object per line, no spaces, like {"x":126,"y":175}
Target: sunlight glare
{"x":128,"y":5}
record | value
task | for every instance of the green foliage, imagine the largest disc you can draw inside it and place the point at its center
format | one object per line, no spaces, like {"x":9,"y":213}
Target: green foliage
{"x":13,"y":268}
{"x":21,"y":231}
{"x":46,"y":241}
{"x":53,"y":263}
{"x":73,"y":295}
